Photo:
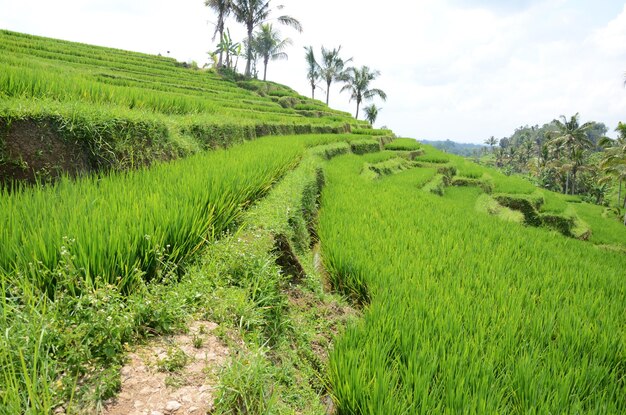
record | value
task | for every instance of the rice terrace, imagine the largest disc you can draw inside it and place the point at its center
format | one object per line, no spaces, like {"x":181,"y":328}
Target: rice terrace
{"x":194,"y":238}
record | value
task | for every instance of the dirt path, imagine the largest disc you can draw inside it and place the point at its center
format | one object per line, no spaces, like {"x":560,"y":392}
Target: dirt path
{"x":172,"y":375}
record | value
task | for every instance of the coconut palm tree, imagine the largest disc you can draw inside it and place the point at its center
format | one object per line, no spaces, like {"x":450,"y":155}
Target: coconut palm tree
{"x":572,"y":137}
{"x":268,"y":45}
{"x":253,"y":13}
{"x":491,"y":141}
{"x":371,"y":113}
{"x":613,"y":163}
{"x":357,"y":82}
{"x":313,"y":72}
{"x":331,"y":67}
{"x":222,"y":9}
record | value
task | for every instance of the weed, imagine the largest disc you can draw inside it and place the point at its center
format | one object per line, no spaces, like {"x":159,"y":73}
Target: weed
{"x":197,"y":341}
{"x":174,"y":361}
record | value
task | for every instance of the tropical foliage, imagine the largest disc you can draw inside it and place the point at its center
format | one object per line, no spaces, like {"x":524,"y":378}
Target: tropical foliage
{"x":269,"y":46}
{"x":331,"y":67}
{"x":222,"y":9}
{"x":313,"y":69}
{"x":253,"y":13}
{"x":563,"y":155}
{"x":357,"y":83}
{"x":371,"y":113}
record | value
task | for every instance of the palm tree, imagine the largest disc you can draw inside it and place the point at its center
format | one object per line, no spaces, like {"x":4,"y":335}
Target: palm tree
{"x":222,"y":8}
{"x":252,"y":13}
{"x":268,"y":45}
{"x":371,"y":113}
{"x":491,"y":141}
{"x":331,"y":68}
{"x":572,"y":137}
{"x":357,"y":82}
{"x":613,"y":163}
{"x":313,"y":73}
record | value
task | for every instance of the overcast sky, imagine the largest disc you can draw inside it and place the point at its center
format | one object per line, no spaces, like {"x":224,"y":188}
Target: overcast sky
{"x":452,"y":69}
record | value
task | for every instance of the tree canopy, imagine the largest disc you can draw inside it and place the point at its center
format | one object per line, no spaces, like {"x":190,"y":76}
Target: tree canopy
{"x":357,"y":82}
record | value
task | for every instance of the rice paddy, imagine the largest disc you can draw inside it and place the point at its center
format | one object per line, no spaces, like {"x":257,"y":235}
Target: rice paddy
{"x":465,"y":313}
{"x":479,"y":293}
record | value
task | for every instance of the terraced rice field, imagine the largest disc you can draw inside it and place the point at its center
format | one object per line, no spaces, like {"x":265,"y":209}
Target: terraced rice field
{"x":476,"y":292}
{"x":463,"y":312}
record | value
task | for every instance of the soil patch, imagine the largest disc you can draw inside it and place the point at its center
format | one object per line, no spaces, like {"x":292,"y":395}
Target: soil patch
{"x":149,"y":389}
{"x":31,"y":149}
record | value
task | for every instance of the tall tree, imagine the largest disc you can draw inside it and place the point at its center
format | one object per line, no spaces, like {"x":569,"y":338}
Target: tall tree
{"x":222,"y":9}
{"x":268,"y":45}
{"x":252,"y":13}
{"x":613,"y":163}
{"x":228,"y":47}
{"x":331,"y":67}
{"x":572,"y":137}
{"x":357,"y":82}
{"x":491,"y":141}
{"x":313,"y":69}
{"x":371,"y":113}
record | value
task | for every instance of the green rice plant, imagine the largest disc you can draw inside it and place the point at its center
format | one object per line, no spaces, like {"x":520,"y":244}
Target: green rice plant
{"x":364,"y":146}
{"x":403,"y":144}
{"x":329,"y":151}
{"x":604,"y":230}
{"x":487,"y":204}
{"x":366,"y":129}
{"x":432,"y":155}
{"x":466,"y":313}
{"x":436,"y":186}
{"x":53,"y":74}
{"x":389,"y":166}
{"x":117,"y":228}
{"x":554,"y":202}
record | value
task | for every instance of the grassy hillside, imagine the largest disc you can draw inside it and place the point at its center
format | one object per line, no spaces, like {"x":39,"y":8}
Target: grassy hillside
{"x":76,"y":108}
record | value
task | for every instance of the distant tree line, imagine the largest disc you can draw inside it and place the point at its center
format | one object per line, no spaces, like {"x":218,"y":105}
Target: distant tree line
{"x":566,"y":156}
{"x":460,"y":149}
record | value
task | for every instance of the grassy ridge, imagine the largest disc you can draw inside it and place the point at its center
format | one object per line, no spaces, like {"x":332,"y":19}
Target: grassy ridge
{"x":466,"y":313}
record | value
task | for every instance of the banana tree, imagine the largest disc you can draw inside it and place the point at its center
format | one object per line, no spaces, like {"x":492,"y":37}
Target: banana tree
{"x":228,"y":47}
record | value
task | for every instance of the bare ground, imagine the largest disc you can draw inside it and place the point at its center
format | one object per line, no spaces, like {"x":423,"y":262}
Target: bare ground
{"x":190,"y":390}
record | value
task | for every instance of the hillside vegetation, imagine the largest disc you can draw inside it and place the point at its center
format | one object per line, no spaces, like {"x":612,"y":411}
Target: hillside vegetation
{"x":69,"y":107}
